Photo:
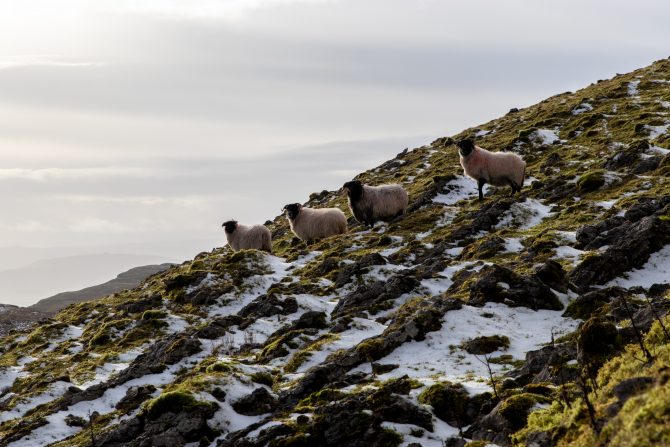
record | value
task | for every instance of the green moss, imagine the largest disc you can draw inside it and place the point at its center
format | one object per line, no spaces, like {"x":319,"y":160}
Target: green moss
{"x":371,"y":349}
{"x":516,"y":408}
{"x":591,"y":181}
{"x":221,"y":367}
{"x":449,"y":402}
{"x":320,"y":397}
{"x":154,"y":314}
{"x":262,"y":377}
{"x":172,"y":402}
{"x":486,"y":344}
{"x":477,"y":444}
{"x":298,"y":440}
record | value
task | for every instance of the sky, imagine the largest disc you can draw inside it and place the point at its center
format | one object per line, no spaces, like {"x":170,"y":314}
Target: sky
{"x":139,"y":126}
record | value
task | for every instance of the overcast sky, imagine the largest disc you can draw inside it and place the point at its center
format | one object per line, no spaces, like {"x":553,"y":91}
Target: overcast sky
{"x":139,"y":129}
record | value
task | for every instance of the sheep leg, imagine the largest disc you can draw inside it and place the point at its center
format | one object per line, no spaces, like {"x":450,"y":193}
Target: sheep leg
{"x":480,"y":185}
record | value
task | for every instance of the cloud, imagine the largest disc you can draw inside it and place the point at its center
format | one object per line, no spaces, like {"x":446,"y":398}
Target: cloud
{"x":202,"y":9}
{"x":97,"y":173}
{"x":44,"y":61}
{"x":92,"y":224}
{"x":29,"y":226}
{"x":156,"y":201}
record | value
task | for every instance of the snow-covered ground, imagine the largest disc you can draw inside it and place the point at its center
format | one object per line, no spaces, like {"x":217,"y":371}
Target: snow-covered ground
{"x":545,"y":136}
{"x":524,"y":215}
{"x":439,"y":356}
{"x":456,"y":190}
{"x":655,"y":271}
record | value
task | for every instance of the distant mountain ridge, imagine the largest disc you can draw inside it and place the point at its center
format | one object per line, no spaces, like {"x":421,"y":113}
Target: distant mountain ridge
{"x":26,"y":284}
{"x":126,"y":280}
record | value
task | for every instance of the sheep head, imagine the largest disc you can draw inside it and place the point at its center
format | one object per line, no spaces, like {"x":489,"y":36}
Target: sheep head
{"x":465,"y":147}
{"x":292,"y":210}
{"x":230,"y":226}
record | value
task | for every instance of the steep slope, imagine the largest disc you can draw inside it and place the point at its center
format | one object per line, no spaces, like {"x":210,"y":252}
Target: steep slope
{"x":391,"y":336}
{"x":125,"y":280}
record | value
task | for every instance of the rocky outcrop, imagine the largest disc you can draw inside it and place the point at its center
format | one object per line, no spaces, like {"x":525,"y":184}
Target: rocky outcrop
{"x":170,"y":429}
{"x":260,"y":401}
{"x":501,"y":285}
{"x":366,"y":297}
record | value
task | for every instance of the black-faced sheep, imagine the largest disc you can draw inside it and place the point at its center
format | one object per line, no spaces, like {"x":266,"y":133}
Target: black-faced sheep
{"x":242,"y":237}
{"x":370,"y":204}
{"x":495,"y":168}
{"x":310,"y":224}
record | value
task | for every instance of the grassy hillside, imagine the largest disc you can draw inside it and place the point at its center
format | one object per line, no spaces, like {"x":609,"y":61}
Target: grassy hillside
{"x":516,"y":320}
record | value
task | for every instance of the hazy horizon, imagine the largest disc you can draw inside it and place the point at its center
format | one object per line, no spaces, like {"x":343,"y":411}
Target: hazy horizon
{"x":138,"y":127}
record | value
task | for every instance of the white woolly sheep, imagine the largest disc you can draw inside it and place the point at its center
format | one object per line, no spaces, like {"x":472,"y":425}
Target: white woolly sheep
{"x":370,"y":204}
{"x":310,"y":224}
{"x":495,"y":168}
{"x":242,"y":237}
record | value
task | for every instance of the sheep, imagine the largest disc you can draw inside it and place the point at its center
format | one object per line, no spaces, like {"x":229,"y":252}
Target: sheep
{"x":369,"y":204}
{"x":241,"y":237}
{"x":495,"y":168}
{"x":310,"y":224}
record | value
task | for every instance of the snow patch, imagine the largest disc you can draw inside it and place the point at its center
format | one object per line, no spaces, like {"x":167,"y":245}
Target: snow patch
{"x":657,"y":131}
{"x":659,"y":150}
{"x":545,"y":136}
{"x":525,"y":215}
{"x":438,"y":356}
{"x":583,"y":107}
{"x":655,"y":270}
{"x":460,"y":188}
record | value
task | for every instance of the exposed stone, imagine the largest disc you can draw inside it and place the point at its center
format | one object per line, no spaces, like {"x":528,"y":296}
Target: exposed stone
{"x":135,"y":396}
{"x":171,"y":429}
{"x":630,"y":246}
{"x":269,"y":305}
{"x":218,"y":327}
{"x":552,"y":274}
{"x":260,"y":401}
{"x":359,"y":266}
{"x":499,"y":284}
{"x":366,"y":296}
{"x":646,"y":165}
{"x":141,"y":305}
{"x":378,"y":368}
{"x":486,"y":344}
{"x":597,"y":339}
{"x":628,"y":388}
{"x":548,"y":364}
{"x":75,"y":421}
{"x":584,"y":306}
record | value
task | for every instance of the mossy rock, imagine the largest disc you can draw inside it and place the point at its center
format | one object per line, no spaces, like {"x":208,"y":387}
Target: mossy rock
{"x":516,"y":408}
{"x":320,"y":397}
{"x":597,"y":339}
{"x":449,"y":402}
{"x":262,"y":377}
{"x":173,"y":402}
{"x":154,"y":314}
{"x":591,"y":181}
{"x":486,"y":344}
{"x":371,"y":349}
{"x":220,"y":367}
{"x":298,"y":440}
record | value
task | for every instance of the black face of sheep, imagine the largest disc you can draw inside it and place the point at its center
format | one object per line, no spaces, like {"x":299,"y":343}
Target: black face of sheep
{"x":292,"y":210}
{"x":230,"y":226}
{"x":353,"y":189}
{"x":465,"y":147}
